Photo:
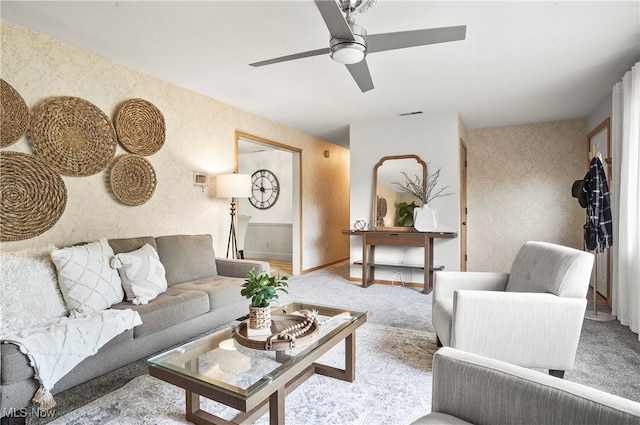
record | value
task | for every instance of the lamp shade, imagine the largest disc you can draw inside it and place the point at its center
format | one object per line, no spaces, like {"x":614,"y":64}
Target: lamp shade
{"x":233,"y":186}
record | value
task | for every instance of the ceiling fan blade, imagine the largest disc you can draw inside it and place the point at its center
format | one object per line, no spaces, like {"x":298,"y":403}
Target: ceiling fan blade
{"x":334,"y":19}
{"x":310,"y":53}
{"x":400,"y":40}
{"x":360,"y":72}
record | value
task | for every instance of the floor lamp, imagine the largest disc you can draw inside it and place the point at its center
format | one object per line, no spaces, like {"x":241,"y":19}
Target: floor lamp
{"x":233,"y":186}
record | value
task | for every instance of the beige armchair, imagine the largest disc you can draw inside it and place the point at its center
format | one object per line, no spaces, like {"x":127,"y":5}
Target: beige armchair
{"x":531,"y":317}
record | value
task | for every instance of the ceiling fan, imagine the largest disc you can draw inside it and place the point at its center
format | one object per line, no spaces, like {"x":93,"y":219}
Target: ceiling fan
{"x":350,"y":43}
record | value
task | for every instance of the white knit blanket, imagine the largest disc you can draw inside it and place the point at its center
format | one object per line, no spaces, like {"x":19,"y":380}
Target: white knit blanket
{"x":56,"y":349}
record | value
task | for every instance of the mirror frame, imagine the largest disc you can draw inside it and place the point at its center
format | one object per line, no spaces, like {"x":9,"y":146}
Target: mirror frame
{"x":603,"y":130}
{"x":375,"y":190}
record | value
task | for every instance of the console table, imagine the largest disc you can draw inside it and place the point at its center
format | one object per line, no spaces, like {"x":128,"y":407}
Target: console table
{"x":371,"y":238}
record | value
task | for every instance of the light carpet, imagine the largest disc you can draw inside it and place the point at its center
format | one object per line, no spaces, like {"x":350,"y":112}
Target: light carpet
{"x":392,"y":386}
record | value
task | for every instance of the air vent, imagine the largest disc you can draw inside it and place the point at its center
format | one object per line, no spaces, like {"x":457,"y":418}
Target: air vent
{"x":406,"y":114}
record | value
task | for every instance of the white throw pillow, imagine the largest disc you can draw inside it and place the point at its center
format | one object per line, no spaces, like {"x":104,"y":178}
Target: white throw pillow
{"x":142,"y":274}
{"x":86,"y":279}
{"x":29,"y":293}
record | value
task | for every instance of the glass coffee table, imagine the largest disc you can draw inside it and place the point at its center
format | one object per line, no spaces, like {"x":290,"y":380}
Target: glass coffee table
{"x":255,"y":381}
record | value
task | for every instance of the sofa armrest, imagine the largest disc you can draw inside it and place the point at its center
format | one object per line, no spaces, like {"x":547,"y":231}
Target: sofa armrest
{"x":483,"y":390}
{"x":529,"y":329}
{"x":239,"y":268}
{"x":445,"y":283}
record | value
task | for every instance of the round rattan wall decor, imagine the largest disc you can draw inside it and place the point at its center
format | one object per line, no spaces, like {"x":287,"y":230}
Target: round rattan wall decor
{"x":33,"y":196}
{"x":140,"y":127}
{"x":73,"y":136}
{"x":133,"y":179}
{"x":14,"y":115}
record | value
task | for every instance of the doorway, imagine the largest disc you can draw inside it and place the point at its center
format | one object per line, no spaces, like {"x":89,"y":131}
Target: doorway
{"x":599,"y":144}
{"x":273,"y":229}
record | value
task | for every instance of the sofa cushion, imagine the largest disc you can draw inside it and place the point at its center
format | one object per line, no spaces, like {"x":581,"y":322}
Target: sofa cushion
{"x":187,"y":257}
{"x":86,"y":279}
{"x":545,"y":267}
{"x":15,"y":365}
{"x":170,"y":308}
{"x":142,"y":274}
{"x":221,"y":290}
{"x":29,"y":292}
{"x":131,"y":244}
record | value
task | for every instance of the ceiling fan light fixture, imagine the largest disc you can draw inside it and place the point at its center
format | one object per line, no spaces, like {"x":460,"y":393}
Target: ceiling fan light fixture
{"x":347,"y":53}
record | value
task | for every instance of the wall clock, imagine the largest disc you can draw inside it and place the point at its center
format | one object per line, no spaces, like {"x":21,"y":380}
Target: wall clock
{"x":265,"y":189}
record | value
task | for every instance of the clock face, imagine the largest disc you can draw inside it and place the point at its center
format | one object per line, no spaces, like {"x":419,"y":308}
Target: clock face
{"x":265,"y":189}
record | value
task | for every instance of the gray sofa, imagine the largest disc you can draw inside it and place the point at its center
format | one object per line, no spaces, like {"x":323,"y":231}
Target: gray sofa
{"x":203,"y":293}
{"x":471,"y":389}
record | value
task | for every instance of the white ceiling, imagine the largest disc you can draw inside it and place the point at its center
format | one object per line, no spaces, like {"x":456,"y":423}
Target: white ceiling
{"x":521,"y":62}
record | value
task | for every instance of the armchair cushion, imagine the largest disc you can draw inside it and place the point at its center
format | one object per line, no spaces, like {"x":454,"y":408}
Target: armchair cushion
{"x":546,"y":267}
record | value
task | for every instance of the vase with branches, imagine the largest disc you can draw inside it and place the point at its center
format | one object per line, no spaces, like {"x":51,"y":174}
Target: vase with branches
{"x":425,"y":218}
{"x":426,"y":192}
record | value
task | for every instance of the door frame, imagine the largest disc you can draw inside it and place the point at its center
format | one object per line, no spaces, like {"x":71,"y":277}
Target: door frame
{"x":463,"y":205}
{"x":604,"y":128}
{"x":296,"y":255}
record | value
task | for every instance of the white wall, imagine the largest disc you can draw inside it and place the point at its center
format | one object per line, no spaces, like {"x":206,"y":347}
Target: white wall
{"x":435,"y":138}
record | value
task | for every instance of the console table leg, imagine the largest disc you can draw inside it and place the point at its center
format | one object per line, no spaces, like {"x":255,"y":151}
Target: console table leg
{"x":368,"y":259}
{"x":365,"y":259}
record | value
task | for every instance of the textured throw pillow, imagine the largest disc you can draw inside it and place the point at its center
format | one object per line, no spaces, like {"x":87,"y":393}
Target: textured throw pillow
{"x":29,"y":293}
{"x":86,"y":279}
{"x":142,"y":274}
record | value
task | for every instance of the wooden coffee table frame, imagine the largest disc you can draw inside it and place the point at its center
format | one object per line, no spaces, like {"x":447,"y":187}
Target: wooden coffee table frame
{"x":271,"y":396}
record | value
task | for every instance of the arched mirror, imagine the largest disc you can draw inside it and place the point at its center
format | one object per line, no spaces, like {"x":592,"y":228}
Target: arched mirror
{"x":392,"y":208}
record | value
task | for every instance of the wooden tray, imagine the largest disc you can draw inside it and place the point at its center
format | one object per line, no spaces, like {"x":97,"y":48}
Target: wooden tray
{"x":278,"y":323}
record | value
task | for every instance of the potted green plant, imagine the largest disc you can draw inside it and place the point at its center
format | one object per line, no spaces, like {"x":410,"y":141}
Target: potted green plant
{"x":405,"y":214}
{"x":261,"y":289}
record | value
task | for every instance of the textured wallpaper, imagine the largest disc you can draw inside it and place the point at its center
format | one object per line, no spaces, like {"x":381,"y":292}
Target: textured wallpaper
{"x":519,"y":189}
{"x":199,"y":137}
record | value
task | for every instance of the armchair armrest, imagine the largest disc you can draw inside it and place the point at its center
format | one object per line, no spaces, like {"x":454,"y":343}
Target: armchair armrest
{"x":445,"y":283}
{"x":528,"y":329}
{"x":239,"y":268}
{"x":482,"y":390}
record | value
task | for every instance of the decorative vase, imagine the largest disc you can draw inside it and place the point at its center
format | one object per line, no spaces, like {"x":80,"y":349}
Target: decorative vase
{"x":425,"y":219}
{"x":259,"y":317}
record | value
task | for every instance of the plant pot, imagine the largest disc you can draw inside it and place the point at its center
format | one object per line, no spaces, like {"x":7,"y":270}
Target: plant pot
{"x":259,"y":317}
{"x":425,"y":219}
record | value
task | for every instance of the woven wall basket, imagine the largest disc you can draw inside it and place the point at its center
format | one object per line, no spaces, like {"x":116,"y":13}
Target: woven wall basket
{"x":133,"y":179}
{"x":73,"y":136}
{"x":33,"y":196}
{"x":140,"y":127}
{"x":14,"y":115}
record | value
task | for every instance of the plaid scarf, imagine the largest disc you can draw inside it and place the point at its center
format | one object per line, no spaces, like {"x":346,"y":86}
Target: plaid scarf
{"x":598,"y":206}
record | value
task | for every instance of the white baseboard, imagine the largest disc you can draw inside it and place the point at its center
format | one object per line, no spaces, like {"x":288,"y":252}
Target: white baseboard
{"x":268,"y":255}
